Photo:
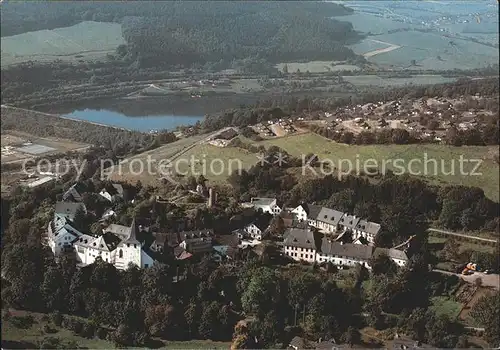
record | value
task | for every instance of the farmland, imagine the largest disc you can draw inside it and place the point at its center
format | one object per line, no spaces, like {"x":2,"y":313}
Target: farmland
{"x":201,"y":156}
{"x":84,"y":41}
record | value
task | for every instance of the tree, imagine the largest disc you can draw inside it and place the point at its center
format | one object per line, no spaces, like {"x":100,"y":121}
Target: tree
{"x":450,"y":250}
{"x":277,"y":226}
{"x":381,"y":264}
{"x":262,"y":293}
{"x":486,"y":313}
{"x":285,"y":68}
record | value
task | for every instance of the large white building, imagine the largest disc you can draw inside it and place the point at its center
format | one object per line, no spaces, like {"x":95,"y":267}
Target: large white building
{"x":61,"y":234}
{"x":117,"y":249}
{"x":299,"y":244}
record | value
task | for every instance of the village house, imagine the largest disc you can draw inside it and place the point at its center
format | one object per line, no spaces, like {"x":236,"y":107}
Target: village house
{"x":113,"y":193}
{"x":61,"y":234}
{"x":299,"y":244}
{"x":258,"y":228}
{"x":344,"y":254}
{"x":68,"y":209}
{"x":396,"y":255}
{"x":193,"y":242}
{"x":367,"y":230}
{"x":74,"y":193}
{"x":266,"y":205}
{"x":329,"y":220}
{"x":307,"y":212}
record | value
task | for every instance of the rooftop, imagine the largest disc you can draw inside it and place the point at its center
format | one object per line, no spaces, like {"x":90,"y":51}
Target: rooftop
{"x":262,"y":201}
{"x":358,"y":251}
{"x":297,"y":237}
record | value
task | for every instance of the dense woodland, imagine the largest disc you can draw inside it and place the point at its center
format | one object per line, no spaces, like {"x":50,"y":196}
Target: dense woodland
{"x":198,"y":32}
{"x":209,"y":299}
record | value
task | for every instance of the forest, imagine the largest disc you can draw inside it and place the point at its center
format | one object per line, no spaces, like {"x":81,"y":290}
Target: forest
{"x":160,"y":34}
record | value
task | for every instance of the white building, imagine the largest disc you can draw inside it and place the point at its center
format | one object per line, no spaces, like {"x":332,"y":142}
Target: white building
{"x":61,"y":235}
{"x":299,"y":244}
{"x":328,"y":220}
{"x":113,"y":193}
{"x":344,"y":254}
{"x":256,"y":230}
{"x":396,"y":255}
{"x":367,"y":230}
{"x":266,"y":205}
{"x":119,"y":250}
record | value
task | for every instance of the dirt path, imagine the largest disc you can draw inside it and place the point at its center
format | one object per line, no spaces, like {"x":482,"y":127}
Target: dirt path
{"x":391,"y":47}
{"x":449,"y":233}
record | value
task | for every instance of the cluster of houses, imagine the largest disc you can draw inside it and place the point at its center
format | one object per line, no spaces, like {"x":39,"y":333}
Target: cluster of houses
{"x":346,"y":239}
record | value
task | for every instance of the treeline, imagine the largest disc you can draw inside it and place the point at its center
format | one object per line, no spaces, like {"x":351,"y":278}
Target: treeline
{"x":483,"y":136}
{"x":118,"y":141}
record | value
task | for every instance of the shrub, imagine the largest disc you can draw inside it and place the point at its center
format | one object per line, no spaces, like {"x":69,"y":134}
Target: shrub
{"x":57,"y":318}
{"x":24,"y":322}
{"x":48,"y":329}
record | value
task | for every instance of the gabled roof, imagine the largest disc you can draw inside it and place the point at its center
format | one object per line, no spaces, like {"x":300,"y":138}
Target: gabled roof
{"x":262,"y":201}
{"x":391,"y":253}
{"x":368,"y":227}
{"x":349,"y":250}
{"x":119,"y":230}
{"x":262,"y":222}
{"x":330,"y":216}
{"x":311,"y":210}
{"x":302,"y":238}
{"x":100,"y":244}
{"x":68,"y":208}
{"x":85,"y":241}
{"x":349,"y":221}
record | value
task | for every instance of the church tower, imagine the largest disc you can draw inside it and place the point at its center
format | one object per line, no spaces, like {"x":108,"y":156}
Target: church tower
{"x":129,"y":250}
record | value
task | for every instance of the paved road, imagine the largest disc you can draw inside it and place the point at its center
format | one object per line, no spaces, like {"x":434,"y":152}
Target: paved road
{"x":462,"y":235}
{"x":492,"y":280}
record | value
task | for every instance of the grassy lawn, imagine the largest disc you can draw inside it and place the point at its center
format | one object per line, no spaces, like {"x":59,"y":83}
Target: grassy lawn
{"x":13,"y":337}
{"x":440,"y":160}
{"x":196,"y":344}
{"x":433,"y":161}
{"x":32,"y":335}
{"x":445,"y":306}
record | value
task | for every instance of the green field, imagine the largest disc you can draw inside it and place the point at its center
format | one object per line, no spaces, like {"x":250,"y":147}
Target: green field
{"x":316,"y":66}
{"x":84,"y":41}
{"x":412,"y":159}
{"x":398,"y":157}
{"x":30,"y":337}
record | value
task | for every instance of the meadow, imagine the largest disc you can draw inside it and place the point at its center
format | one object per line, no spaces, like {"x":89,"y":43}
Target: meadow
{"x":30,"y":337}
{"x":361,"y":159}
{"x":84,"y":41}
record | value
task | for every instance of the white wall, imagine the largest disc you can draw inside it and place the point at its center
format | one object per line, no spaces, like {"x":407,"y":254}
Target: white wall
{"x":298,"y":254}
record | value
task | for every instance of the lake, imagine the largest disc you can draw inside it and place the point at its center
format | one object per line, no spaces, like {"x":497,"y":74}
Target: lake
{"x":138,"y":123}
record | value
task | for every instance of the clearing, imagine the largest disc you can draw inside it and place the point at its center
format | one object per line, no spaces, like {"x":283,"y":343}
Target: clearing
{"x":87,"y":40}
{"x":18,"y":146}
{"x":439,"y":164}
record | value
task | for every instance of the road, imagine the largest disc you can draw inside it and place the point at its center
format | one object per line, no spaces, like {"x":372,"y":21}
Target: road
{"x":449,"y":233}
{"x":492,"y":280}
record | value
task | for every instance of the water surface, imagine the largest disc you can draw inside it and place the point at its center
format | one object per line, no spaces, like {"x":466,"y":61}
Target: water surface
{"x":138,"y":123}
